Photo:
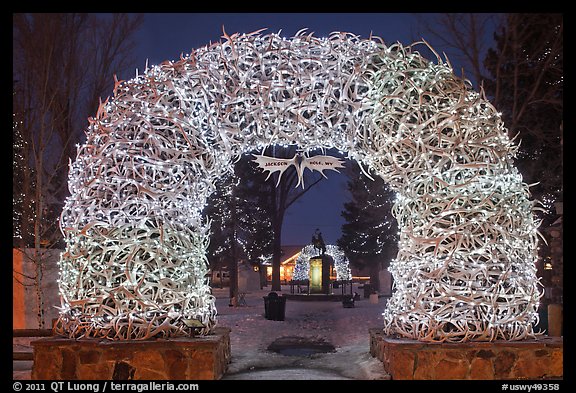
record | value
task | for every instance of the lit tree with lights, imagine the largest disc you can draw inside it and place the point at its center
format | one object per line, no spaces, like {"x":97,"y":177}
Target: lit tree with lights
{"x":240,"y":221}
{"x":223,"y":246}
{"x":22,"y":176}
{"x":253,"y":195}
{"x":254,"y":214}
{"x":369,"y":235}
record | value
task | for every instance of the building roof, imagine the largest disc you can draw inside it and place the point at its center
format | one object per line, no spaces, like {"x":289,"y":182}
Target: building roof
{"x":290,"y":252}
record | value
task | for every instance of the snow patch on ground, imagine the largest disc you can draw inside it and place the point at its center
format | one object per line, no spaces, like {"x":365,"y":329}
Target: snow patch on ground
{"x":345,"y":328}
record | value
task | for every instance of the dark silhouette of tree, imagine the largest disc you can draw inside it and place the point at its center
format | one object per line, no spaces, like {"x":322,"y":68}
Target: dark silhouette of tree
{"x":240,"y":224}
{"x":463,"y":37}
{"x":526,"y":85}
{"x":370,"y":234}
{"x":281,"y":197}
{"x":62,"y":64}
{"x":521,"y":71}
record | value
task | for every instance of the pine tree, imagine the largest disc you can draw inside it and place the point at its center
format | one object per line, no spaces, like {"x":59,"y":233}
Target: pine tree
{"x":369,"y":236}
{"x":254,"y":217}
{"x":526,"y":84}
{"x":22,"y":183}
{"x":240,"y":223}
{"x":222,"y":227}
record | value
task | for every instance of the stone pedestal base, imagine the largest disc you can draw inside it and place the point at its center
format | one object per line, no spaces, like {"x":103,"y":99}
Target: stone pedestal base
{"x":197,"y":358}
{"x":410,"y":359}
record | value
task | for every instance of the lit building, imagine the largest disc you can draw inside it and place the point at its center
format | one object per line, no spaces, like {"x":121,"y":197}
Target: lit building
{"x":287,"y":263}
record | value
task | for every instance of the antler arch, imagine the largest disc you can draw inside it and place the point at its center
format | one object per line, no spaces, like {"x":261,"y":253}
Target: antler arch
{"x":341,"y":262}
{"x":134,"y":265}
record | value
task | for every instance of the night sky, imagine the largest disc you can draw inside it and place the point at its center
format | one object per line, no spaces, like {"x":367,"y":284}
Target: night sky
{"x":164,"y":36}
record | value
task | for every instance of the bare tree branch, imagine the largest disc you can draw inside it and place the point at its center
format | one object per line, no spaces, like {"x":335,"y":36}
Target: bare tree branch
{"x":53,"y":70}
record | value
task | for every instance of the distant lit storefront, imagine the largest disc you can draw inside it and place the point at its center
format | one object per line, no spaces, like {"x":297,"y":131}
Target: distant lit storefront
{"x":287,"y":263}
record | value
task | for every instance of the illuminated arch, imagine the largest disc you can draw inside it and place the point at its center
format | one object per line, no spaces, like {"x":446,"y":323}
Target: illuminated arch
{"x":341,"y":262}
{"x":134,"y":266}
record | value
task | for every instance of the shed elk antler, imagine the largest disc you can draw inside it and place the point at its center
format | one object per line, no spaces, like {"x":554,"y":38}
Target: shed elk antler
{"x":135,"y":260}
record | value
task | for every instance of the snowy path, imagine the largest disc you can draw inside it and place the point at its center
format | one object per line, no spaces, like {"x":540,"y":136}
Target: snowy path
{"x":345,"y":328}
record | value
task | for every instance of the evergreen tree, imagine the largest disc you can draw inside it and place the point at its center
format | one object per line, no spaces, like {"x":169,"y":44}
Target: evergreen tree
{"x":526,"y":84}
{"x":254,"y":215}
{"x":240,"y":224}
{"x":369,"y":236}
{"x":22,"y":180}
{"x":222,"y":227}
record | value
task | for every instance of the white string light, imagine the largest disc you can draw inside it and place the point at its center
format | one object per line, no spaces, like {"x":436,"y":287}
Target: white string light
{"x":135,"y":260}
{"x":341,"y":263}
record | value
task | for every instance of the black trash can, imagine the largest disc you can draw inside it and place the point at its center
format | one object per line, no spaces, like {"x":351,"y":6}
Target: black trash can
{"x":274,"y":307}
{"x":348,"y":301}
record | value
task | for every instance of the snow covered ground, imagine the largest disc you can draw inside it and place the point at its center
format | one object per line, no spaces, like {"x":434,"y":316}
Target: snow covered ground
{"x":328,"y":321}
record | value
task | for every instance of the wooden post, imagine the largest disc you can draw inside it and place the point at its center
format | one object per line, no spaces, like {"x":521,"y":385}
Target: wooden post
{"x":555,"y":320}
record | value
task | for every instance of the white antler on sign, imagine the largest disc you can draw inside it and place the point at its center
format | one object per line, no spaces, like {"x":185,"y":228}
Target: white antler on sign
{"x":300,"y":162}
{"x":272,"y":165}
{"x":318,"y":163}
